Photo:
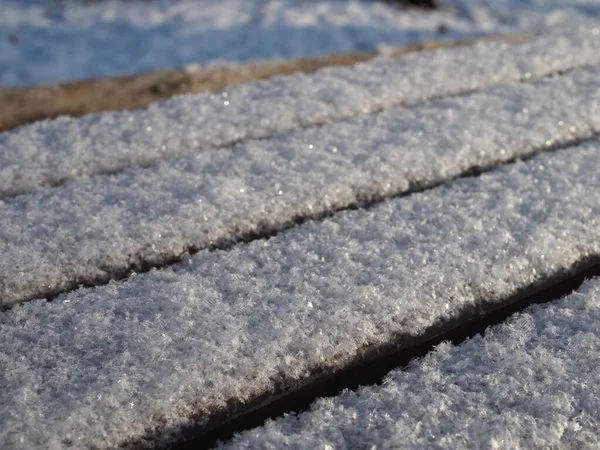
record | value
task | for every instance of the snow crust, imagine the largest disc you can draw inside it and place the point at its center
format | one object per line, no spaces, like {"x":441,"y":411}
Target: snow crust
{"x":99,"y":226}
{"x":529,"y":383}
{"x":98,"y":366}
{"x":50,"y":152}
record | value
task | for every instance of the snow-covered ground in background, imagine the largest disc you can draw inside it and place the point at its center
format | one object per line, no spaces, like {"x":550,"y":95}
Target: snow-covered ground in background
{"x":47,"y":41}
{"x":114,"y":37}
{"x":530,"y":15}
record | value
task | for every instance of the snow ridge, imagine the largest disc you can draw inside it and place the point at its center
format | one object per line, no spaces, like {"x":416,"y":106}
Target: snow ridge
{"x":52,"y":152}
{"x":100,"y":366}
{"x":88,"y":231}
{"x":529,"y":383}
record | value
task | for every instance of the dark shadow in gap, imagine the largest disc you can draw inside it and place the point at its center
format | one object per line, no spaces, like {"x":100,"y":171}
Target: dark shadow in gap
{"x":424,"y":4}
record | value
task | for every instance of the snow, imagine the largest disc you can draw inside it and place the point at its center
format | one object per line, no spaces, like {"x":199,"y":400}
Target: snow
{"x":81,"y":230}
{"x":145,"y":357}
{"x":50,"y":152}
{"x":533,"y":15}
{"x":529,"y":383}
{"x":92,"y":228}
{"x":99,"y":366}
{"x":47,"y":41}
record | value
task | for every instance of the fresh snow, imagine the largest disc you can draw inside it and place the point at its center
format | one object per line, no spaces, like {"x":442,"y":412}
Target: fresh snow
{"x":50,"y":152}
{"x":99,"y":366}
{"x":141,"y":359}
{"x":530,"y":383}
{"x":92,"y":228}
{"x":45,"y":41}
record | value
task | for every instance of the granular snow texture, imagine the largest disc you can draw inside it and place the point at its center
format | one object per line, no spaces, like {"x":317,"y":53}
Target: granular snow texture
{"x":532,"y":382}
{"x":52,"y":152}
{"x":97,"y":367}
{"x":91,"y":229}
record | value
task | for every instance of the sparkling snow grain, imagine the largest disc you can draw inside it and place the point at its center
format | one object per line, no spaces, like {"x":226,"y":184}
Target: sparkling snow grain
{"x":98,"y":227}
{"x":99,"y":366}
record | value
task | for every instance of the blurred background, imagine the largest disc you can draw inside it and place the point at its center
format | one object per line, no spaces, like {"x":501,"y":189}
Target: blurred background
{"x":49,"y":41}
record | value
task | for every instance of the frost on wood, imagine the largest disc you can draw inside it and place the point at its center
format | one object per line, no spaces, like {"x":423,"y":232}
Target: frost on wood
{"x":51,"y":152}
{"x":101,"y":366}
{"x":92,"y":229}
{"x":530,"y":383}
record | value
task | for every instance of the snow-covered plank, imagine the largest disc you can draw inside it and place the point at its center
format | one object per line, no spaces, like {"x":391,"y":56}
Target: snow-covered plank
{"x":532,"y":382}
{"x":52,"y":152}
{"x":96,"y":228}
{"x":165,"y":349}
{"x":27,"y":104}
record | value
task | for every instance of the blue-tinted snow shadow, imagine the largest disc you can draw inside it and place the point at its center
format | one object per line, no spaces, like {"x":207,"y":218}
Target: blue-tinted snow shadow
{"x":68,"y":53}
